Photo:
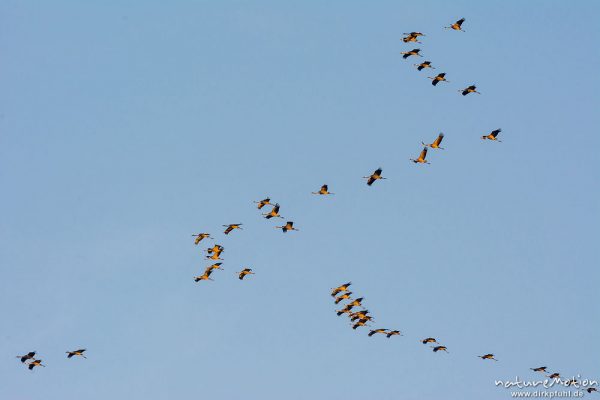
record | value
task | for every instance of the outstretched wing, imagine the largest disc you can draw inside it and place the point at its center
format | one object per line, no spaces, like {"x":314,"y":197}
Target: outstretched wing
{"x":439,"y":139}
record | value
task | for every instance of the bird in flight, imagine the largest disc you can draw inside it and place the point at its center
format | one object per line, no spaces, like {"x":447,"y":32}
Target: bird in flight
{"x":231,"y":227}
{"x":356,"y":303}
{"x":379,"y":330}
{"x":212,"y":267}
{"x":289,"y":226}
{"x":555,"y":375}
{"x":217,"y":248}
{"x":421,"y":159}
{"x":27,"y":356}
{"x":436,"y":143}
{"x":341,"y":288}
{"x":215,"y":256}
{"x":263,"y":203}
{"x":200,"y":236}
{"x":323,"y":191}
{"x":429,"y":340}
{"x":360,"y":322}
{"x":438,"y":78}
{"x":342,"y":297}
{"x":412,"y":37}
{"x":469,"y":89}
{"x":457,"y":26}
{"x":413,"y":52}
{"x":489,"y":356}
{"x":346,"y":310}
{"x":35,"y":363}
{"x":76,"y":353}
{"x":439,"y":348}
{"x":204,"y":277}
{"x":374,"y":176}
{"x":493,"y":135}
{"x":244,"y":272}
{"x":274,"y":213}
{"x":423,"y":65}
{"x":393,"y":333}
{"x":362,"y":314}
{"x":539,"y":369}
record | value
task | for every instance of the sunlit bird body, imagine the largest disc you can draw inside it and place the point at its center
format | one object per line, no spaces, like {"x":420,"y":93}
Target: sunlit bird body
{"x":354,"y":316}
{"x":231,"y":227}
{"x":357,"y":302}
{"x":323,"y":191}
{"x":76,"y":353}
{"x":246,"y":271}
{"x":488,"y":356}
{"x":341,"y":288}
{"x":35,"y":363}
{"x":360,"y":322}
{"x":493,"y":135}
{"x":423,"y":65}
{"x":262,"y":203}
{"x":215,"y":256}
{"x":411,"y":39}
{"x":274,"y":213}
{"x":438,"y":78}
{"x":421,"y":159}
{"x":436,"y":143}
{"x":457,"y":26}
{"x":204,"y":277}
{"x":200,"y":236}
{"x":346,"y":310}
{"x":393,"y":333}
{"x":289,"y":226}
{"x":429,"y":340}
{"x":555,"y":375}
{"x":469,"y":89}
{"x":212,"y":267}
{"x":413,"y":52}
{"x":342,"y":297}
{"x":216,"y":249}
{"x":362,"y":314}
{"x":374,"y":176}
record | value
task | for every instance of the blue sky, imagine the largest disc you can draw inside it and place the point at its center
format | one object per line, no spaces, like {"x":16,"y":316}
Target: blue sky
{"x":126,"y":127}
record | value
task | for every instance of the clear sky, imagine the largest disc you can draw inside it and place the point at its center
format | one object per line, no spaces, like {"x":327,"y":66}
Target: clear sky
{"x":127,"y":126}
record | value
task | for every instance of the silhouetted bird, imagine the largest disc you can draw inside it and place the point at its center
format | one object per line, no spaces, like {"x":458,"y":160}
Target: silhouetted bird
{"x":27,"y":356}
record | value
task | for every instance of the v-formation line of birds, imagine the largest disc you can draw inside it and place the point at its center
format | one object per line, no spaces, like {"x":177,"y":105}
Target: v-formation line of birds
{"x":361,"y":318}
{"x":358,"y":318}
{"x":342,"y":292}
